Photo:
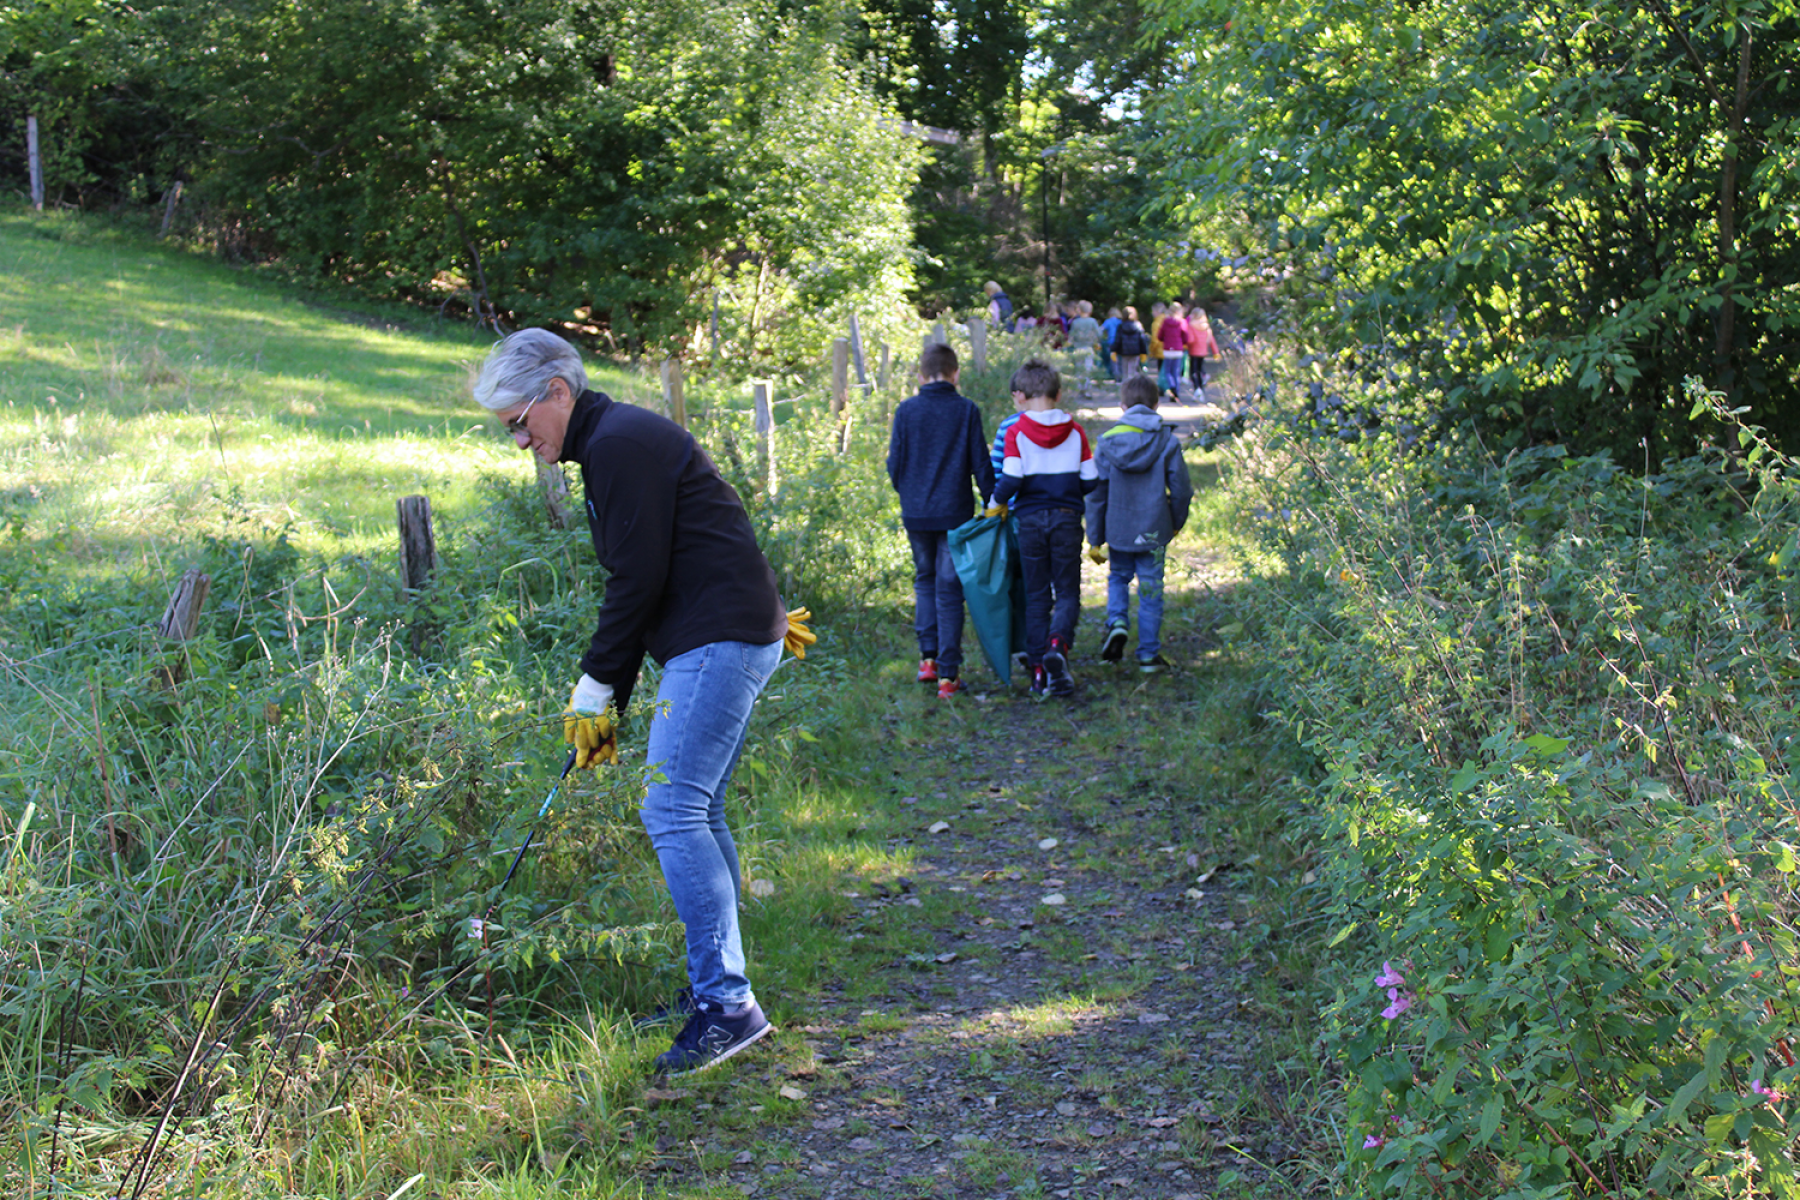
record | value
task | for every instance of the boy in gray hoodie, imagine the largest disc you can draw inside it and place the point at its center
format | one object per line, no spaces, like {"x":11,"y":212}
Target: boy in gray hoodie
{"x":1139,"y":507}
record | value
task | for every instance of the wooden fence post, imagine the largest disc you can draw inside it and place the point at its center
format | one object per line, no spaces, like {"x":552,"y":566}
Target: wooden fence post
{"x":840,"y":374}
{"x":673,"y":400}
{"x":37,"y":162}
{"x":978,"y":343}
{"x":181,"y":619}
{"x":418,"y":548}
{"x":765,"y":429}
{"x":173,"y":198}
{"x":856,"y":354}
{"x":938,"y":334}
{"x":554,"y":486}
{"x":886,"y":375}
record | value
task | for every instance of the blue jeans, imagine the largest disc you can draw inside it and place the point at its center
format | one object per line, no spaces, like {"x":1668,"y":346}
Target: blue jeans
{"x":1050,"y":559}
{"x":937,"y":600}
{"x":1147,"y":566}
{"x":702,"y":713}
{"x":1171,"y":373}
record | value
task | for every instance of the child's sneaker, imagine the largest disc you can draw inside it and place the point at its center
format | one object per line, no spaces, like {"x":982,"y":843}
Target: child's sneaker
{"x":1056,"y":670}
{"x":1113,"y":648}
{"x":949,"y":687}
{"x":1153,"y":664}
{"x":711,"y":1037}
{"x":928,"y":670}
{"x":1040,"y":684}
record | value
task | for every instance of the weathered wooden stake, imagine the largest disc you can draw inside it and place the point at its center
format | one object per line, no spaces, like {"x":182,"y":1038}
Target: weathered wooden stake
{"x":978,"y":344}
{"x":715,"y":329}
{"x":181,"y":619}
{"x":169,"y":204}
{"x":885,"y":375}
{"x":765,"y":429}
{"x":418,"y":548}
{"x":559,"y":506}
{"x":939,"y":335}
{"x":840,"y":374}
{"x":37,"y":163}
{"x":856,"y":354}
{"x":673,"y":400}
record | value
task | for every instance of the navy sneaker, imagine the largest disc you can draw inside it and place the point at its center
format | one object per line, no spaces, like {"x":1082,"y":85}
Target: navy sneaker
{"x":1040,"y":684}
{"x":1056,"y":670}
{"x":1153,"y":664}
{"x":1113,"y":648}
{"x":710,"y":1037}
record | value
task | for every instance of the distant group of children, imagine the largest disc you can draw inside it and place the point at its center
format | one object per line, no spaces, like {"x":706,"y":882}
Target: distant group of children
{"x":1175,"y":346}
{"x":1044,"y":476}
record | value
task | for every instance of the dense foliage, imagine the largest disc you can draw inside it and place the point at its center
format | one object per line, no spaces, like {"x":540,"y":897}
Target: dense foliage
{"x":608,"y":166}
{"x":1554,"y":706}
{"x":1540,"y":217}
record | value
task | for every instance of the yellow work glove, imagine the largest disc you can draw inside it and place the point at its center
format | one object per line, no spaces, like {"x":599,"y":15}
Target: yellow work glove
{"x":588,"y":724}
{"x":1097,"y":554}
{"x":995,"y":510}
{"x":799,"y":637}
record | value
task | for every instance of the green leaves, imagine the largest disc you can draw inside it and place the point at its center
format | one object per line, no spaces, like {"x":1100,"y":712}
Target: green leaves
{"x":1549,"y":215}
{"x":1549,"y":716}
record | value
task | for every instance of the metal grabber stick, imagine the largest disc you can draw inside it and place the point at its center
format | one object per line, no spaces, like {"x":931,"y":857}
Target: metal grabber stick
{"x":478,"y":926}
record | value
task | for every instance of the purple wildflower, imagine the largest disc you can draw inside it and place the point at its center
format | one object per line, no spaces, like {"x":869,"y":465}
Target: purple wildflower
{"x":1389,"y":978}
{"x":1772,"y":1095}
{"x":1401,"y":1001}
{"x":1374,"y":1142}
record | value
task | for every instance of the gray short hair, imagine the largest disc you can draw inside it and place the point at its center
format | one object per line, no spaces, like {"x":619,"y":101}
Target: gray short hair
{"x":522,"y":364}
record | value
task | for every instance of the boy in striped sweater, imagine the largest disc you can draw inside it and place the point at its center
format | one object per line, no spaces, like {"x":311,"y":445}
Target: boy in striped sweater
{"x":1047,"y":472}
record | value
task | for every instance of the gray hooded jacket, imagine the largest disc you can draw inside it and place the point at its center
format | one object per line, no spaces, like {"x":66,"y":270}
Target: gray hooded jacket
{"x":1142,"y":500}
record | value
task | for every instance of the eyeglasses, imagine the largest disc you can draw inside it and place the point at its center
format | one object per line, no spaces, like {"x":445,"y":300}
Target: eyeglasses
{"x":517,"y":424}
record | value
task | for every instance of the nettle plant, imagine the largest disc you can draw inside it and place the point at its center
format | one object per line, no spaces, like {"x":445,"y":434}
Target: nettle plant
{"x":1553,"y":702}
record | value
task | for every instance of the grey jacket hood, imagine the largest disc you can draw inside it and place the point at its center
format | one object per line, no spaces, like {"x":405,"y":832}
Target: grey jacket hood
{"x":1136,"y":444}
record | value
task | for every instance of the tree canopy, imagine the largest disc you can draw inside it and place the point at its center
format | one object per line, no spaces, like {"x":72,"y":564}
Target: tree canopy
{"x":1544,"y":216}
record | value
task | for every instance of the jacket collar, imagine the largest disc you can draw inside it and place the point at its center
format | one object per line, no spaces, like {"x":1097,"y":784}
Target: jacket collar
{"x":590,"y":406}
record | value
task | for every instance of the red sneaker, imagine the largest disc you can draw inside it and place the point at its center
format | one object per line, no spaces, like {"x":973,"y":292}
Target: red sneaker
{"x":928,"y":670}
{"x":949,"y":687}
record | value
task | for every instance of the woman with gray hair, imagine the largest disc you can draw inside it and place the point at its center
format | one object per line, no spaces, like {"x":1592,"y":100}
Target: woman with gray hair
{"x":688,"y":586}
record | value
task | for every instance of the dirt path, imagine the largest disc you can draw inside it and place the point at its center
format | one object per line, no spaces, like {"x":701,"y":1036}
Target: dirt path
{"x":1075,"y":1025}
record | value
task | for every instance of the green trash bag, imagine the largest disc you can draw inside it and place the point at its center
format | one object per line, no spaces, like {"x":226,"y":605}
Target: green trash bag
{"x":986,"y":553}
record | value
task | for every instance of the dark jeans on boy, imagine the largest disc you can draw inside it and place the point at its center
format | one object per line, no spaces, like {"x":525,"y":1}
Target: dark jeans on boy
{"x":937,"y":600}
{"x":1050,"y":559}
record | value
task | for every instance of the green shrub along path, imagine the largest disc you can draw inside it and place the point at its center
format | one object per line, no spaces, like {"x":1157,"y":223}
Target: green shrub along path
{"x":1066,"y":991}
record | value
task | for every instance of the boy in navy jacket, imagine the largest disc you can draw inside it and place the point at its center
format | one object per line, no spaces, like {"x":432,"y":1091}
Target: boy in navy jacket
{"x":1048,"y":470}
{"x":936,"y":452}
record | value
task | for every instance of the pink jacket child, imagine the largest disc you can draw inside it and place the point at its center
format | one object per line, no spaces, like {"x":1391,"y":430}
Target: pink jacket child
{"x":1200,"y":339}
{"x":1201,"y":345}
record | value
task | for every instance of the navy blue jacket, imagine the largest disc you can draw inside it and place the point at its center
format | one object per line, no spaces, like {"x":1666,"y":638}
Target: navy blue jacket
{"x":935,"y":450}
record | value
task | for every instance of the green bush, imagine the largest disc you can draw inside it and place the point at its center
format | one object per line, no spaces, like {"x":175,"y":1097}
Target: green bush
{"x":1552,"y":703}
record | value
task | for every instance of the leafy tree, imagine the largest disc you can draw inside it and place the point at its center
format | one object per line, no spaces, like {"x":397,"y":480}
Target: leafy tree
{"x":1548,"y":216}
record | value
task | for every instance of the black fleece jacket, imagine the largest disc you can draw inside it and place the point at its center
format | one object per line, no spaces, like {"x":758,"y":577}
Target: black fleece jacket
{"x":681,"y":558}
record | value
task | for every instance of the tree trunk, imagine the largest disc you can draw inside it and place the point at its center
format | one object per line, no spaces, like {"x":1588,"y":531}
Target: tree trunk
{"x":1728,"y":188}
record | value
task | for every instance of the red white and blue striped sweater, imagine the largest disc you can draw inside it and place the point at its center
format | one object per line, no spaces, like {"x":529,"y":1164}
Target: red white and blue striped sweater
{"x":1048,"y":464}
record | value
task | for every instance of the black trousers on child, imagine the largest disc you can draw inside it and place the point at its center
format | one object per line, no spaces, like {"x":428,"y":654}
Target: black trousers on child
{"x":1050,"y":560}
